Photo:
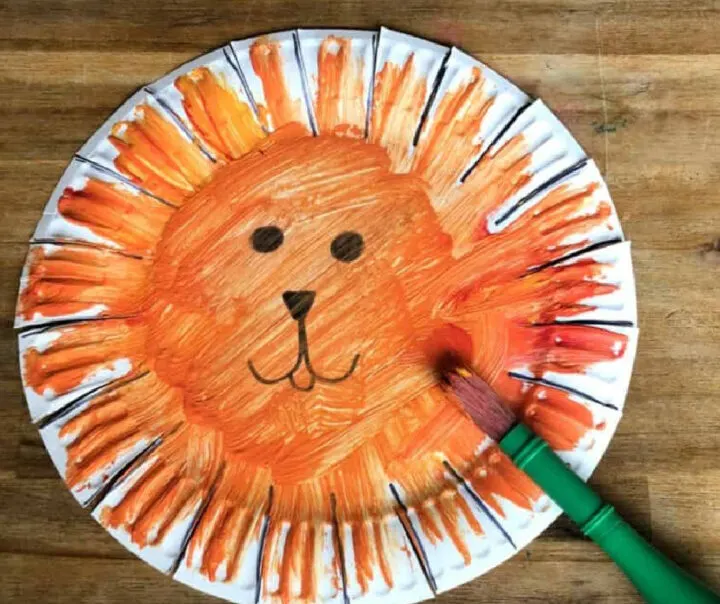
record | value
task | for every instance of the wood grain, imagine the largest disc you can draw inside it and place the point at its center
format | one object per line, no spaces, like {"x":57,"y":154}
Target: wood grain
{"x":638,"y":83}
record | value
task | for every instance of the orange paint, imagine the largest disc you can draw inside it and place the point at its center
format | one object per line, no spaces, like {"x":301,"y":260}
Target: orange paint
{"x":565,"y":287}
{"x":207,"y":303}
{"x":80,"y":351}
{"x":467,"y":513}
{"x":111,"y":425}
{"x":398,"y":102}
{"x":232,"y":520}
{"x":171,"y":489}
{"x":498,"y":176}
{"x":494,"y":475}
{"x":428,"y":524}
{"x":384,"y":563}
{"x":449,"y":510}
{"x":450,"y":140}
{"x":64,"y":280}
{"x":552,"y":414}
{"x":155,"y":155}
{"x":280,"y":107}
{"x":536,"y":237}
{"x":131,"y":221}
{"x":224,"y":123}
{"x":340,"y":103}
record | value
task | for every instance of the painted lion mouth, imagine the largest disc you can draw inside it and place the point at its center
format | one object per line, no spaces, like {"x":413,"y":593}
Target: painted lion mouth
{"x":303,"y":357}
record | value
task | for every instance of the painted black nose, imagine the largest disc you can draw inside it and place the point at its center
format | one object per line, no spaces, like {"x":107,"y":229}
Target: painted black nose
{"x":299,"y":303}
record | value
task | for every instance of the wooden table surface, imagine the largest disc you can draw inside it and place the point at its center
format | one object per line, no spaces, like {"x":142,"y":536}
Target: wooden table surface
{"x":638,"y":83}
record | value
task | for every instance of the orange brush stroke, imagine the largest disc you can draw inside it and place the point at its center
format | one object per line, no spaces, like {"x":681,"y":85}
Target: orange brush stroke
{"x":170,"y":490}
{"x":497,"y":177}
{"x":114,"y":422}
{"x":494,"y":475}
{"x":552,"y":414}
{"x":449,"y":509}
{"x":398,"y":101}
{"x":80,"y":351}
{"x":65,"y":280}
{"x":536,"y":237}
{"x":155,"y":155}
{"x":132,"y":221}
{"x":281,"y":106}
{"x":340,"y":106}
{"x":449,"y":140}
{"x":224,"y":122}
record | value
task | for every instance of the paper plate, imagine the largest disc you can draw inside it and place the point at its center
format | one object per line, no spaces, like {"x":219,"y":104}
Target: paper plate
{"x":231,"y":301}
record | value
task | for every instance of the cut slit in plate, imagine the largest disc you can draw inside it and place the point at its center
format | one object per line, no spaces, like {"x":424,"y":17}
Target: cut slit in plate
{"x":470,"y":108}
{"x":586,"y":454}
{"x":532,"y":153}
{"x":163,"y":549}
{"x":319,"y":559}
{"x":617,"y":306}
{"x":586,"y":183}
{"x":54,"y":273}
{"x":538,"y":135}
{"x":56,"y":443}
{"x":407,"y":582}
{"x":406,"y":70}
{"x":485,"y":532}
{"x":604,"y":383}
{"x":446,"y":565}
{"x":340,"y":64}
{"x":130,"y":143}
{"x":274,"y":79}
{"x":212,"y":84}
{"x":61,"y":364}
{"x":132,"y":221}
{"x":231,"y":572}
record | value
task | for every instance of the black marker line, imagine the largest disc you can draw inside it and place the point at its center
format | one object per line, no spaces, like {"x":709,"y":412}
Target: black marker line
{"x":195,"y":523}
{"x":105,"y":247}
{"x":414,"y":540}
{"x":570,"y":389}
{"x":261,"y":548}
{"x":120,"y":474}
{"x":479,"y":502}
{"x":591,"y":248}
{"x":70,"y":406}
{"x":339,"y":545}
{"x":180,"y":124}
{"x":371,"y":85}
{"x":576,"y":167}
{"x":26,"y":331}
{"x":304,"y":83}
{"x":431,"y":98}
{"x":122,"y":178}
{"x":246,"y":87}
{"x":88,"y":245}
{"x":498,"y":136}
{"x":587,"y":322}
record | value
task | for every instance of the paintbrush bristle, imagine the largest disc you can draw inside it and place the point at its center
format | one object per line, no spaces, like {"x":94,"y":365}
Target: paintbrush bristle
{"x":478,"y":400}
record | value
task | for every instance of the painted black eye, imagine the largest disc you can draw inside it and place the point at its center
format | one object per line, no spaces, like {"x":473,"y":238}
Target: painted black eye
{"x":267,"y":239}
{"x":347,"y":246}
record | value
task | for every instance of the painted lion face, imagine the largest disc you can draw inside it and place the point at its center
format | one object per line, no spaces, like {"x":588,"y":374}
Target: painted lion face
{"x":232,"y":316}
{"x":290,"y":297}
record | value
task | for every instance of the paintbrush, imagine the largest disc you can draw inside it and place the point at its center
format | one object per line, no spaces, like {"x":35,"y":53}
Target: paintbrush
{"x":657,"y":578}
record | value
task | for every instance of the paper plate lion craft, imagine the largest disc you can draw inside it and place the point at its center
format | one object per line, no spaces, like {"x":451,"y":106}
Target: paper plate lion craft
{"x":230,"y":301}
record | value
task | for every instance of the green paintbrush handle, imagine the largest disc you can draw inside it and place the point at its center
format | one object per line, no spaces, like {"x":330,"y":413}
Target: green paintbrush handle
{"x":658,"y":579}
